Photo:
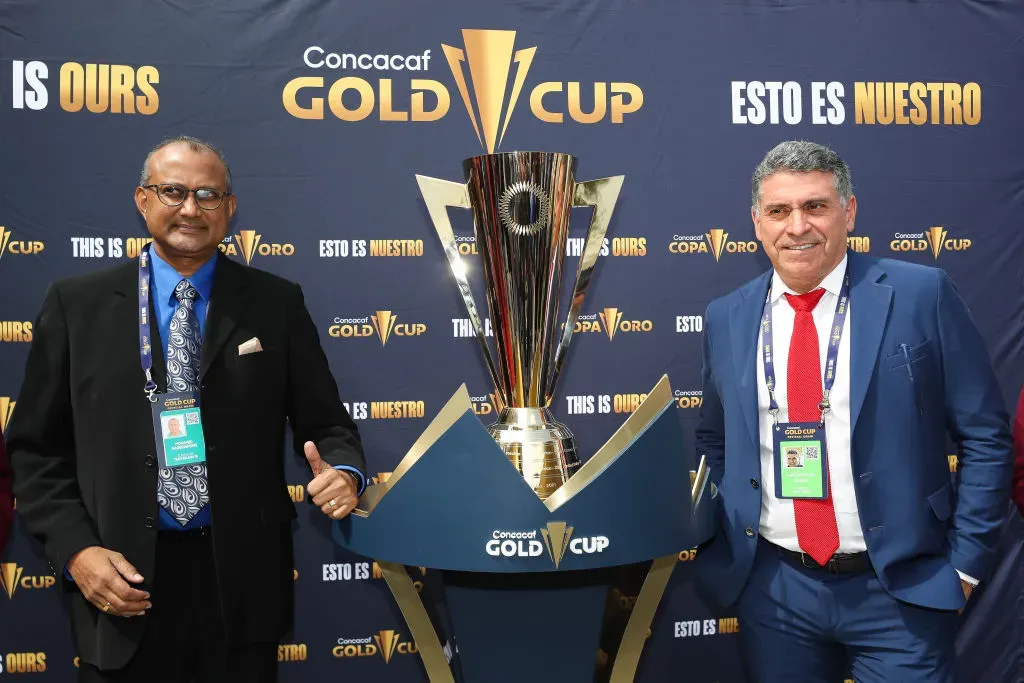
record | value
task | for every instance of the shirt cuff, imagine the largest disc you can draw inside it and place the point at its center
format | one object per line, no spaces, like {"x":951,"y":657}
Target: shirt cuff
{"x":360,"y":479}
{"x":969,"y":579}
{"x":67,"y":574}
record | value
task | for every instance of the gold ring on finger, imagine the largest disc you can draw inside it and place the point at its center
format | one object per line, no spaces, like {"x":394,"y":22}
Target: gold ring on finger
{"x":332,"y":502}
{"x":106,"y":607}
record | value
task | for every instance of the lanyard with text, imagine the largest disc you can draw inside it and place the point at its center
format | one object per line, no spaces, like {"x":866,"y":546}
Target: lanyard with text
{"x":799,"y":448}
{"x":177,"y":421}
{"x":145,"y":336}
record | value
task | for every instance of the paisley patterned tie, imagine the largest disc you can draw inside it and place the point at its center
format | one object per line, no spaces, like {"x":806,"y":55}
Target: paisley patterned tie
{"x":183,"y":491}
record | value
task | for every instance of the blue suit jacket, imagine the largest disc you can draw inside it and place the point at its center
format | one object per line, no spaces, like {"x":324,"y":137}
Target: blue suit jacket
{"x":917,"y":529}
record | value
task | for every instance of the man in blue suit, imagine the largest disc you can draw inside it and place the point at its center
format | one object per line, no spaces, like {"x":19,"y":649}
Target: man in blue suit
{"x":863,"y":554}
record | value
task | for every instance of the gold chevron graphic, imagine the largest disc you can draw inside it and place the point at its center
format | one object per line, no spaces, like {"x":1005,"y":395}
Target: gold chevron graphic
{"x":490,"y":56}
{"x":247,"y":241}
{"x":6,"y":410}
{"x":610,"y":318}
{"x":384,"y":323}
{"x":5,"y":237}
{"x":10,"y":574}
{"x":936,"y":237}
{"x":556,"y":539}
{"x":454,"y":409}
{"x":387,"y":643}
{"x":716,"y":239}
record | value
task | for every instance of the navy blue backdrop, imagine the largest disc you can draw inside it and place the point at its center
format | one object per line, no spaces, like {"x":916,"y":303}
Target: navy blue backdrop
{"x":326,"y":110}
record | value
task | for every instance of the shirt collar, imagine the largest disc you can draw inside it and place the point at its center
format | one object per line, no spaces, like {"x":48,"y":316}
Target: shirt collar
{"x":165,"y":274}
{"x":832,"y":283}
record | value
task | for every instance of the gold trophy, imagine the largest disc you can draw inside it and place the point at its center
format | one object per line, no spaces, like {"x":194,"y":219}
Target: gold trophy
{"x":521,"y":203}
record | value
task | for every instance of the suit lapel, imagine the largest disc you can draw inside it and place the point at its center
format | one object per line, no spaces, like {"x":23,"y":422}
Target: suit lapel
{"x":127,"y":295}
{"x":870,"y":303}
{"x":228,"y":300}
{"x":745,"y":324}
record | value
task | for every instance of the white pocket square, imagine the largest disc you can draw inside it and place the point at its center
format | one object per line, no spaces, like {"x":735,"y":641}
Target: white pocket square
{"x":251,"y":346}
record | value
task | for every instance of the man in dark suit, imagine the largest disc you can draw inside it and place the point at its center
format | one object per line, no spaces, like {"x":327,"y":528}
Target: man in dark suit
{"x":863,"y":556}
{"x":175,"y":571}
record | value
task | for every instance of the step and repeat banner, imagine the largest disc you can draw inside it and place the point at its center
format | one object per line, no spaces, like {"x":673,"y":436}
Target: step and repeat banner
{"x":326,"y":111}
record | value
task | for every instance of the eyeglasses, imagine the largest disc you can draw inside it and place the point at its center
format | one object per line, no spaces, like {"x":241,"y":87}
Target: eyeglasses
{"x":174,"y":195}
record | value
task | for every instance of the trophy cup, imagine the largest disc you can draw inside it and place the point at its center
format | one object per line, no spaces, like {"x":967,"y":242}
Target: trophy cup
{"x":521,"y":203}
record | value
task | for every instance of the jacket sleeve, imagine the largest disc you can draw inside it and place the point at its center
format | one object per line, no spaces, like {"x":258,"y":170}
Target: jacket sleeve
{"x":710,"y":434}
{"x":314,"y":405}
{"x":976,"y":420}
{"x":40,"y":442}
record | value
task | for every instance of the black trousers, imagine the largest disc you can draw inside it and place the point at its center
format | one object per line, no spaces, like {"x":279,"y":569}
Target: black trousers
{"x":184,"y":640}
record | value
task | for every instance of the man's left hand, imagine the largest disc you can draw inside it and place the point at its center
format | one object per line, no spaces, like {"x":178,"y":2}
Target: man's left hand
{"x":334,"y":491}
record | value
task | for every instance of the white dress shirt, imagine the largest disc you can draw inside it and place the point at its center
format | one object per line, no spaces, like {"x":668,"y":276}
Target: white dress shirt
{"x":778,"y":523}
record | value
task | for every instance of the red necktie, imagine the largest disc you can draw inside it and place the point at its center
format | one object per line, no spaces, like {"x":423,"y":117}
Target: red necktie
{"x":815,"y":519}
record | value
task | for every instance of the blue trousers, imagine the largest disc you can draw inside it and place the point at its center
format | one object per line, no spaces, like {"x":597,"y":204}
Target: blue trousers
{"x":801,"y":625}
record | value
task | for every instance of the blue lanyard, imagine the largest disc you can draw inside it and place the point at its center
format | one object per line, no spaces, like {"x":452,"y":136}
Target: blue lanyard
{"x":831,"y":356}
{"x":145,"y":348}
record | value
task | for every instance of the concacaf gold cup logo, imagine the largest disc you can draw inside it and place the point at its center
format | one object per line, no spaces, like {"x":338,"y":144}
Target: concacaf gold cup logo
{"x":715,"y":241}
{"x":385,"y":643}
{"x":610,"y":322}
{"x":12,"y":578}
{"x":935,"y":240}
{"x":384,"y":325}
{"x":556,"y":538}
{"x":490,"y":77}
{"x":249,"y":243}
{"x":17,"y":247}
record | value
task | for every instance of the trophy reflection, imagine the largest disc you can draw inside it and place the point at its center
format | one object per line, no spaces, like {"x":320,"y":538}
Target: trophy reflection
{"x":521,"y":203}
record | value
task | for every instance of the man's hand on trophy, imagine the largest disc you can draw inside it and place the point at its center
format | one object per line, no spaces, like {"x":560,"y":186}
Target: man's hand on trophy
{"x":334,"y":491}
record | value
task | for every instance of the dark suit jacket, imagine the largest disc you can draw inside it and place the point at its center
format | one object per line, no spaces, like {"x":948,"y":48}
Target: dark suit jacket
{"x":6,"y":497}
{"x":82,"y":443}
{"x":918,"y":530}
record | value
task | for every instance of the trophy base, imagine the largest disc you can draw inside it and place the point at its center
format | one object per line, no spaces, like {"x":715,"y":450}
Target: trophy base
{"x":541,"y":449}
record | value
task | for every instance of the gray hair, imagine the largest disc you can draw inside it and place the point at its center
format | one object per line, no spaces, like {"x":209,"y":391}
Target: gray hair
{"x":194,"y":144}
{"x":801,"y":156}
